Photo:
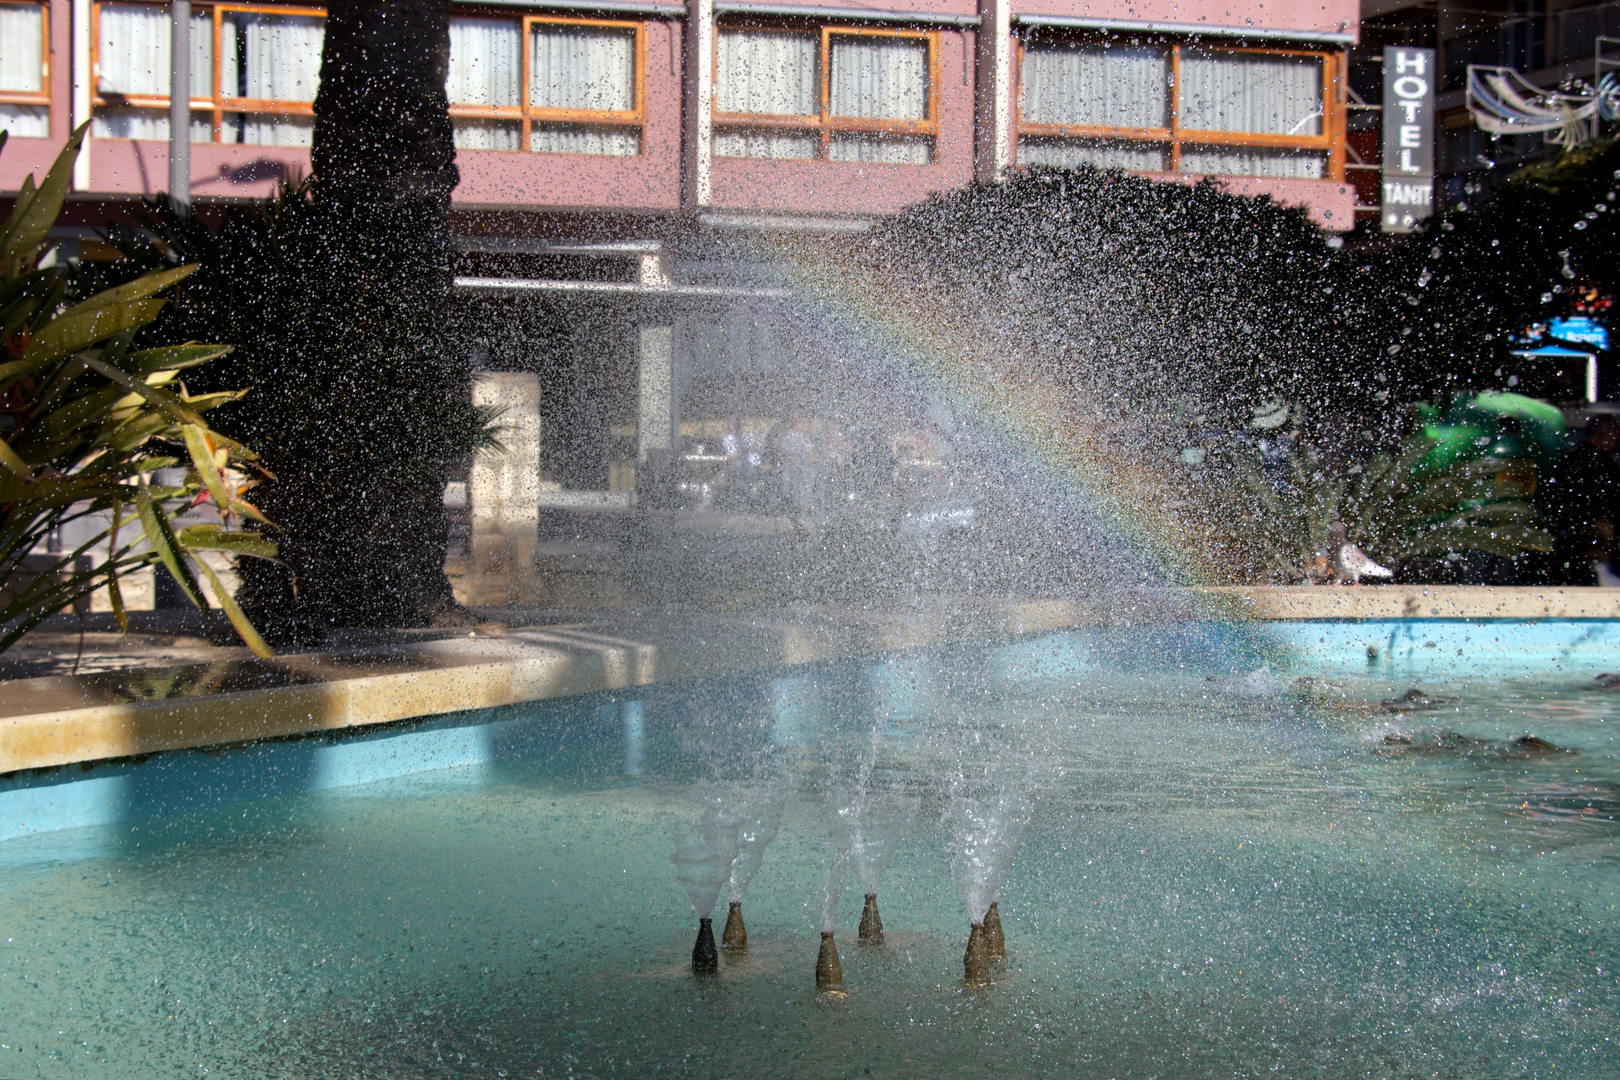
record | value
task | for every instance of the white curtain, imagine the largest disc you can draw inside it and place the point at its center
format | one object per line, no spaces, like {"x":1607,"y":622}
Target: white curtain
{"x":767,"y":73}
{"x":880,"y":149}
{"x":1094,"y":85}
{"x":880,"y":78}
{"x":25,"y":121}
{"x":475,"y":134}
{"x":133,"y":51}
{"x":271,"y":58}
{"x":1244,"y":161}
{"x":132,"y":55}
{"x":774,"y":145}
{"x":568,"y":139}
{"x":1102,"y":154}
{"x":22,"y":29}
{"x":576,"y":67}
{"x":1251,"y":92}
{"x":486,"y":62}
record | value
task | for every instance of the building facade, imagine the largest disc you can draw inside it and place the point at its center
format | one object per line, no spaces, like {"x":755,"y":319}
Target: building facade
{"x":617,"y":155}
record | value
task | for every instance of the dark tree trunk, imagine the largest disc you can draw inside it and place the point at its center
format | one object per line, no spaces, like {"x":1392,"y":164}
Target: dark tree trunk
{"x":360,"y":475}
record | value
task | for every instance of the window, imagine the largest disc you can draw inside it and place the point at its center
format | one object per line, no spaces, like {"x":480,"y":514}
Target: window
{"x":576,"y":87}
{"x":25,"y":99}
{"x":254,"y":72}
{"x":833,"y":94}
{"x":1178,"y":108}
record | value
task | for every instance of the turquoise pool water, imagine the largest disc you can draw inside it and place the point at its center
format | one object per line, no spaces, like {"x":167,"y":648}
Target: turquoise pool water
{"x":1237,"y":865}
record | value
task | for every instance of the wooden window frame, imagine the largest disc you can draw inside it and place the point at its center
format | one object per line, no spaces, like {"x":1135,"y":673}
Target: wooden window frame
{"x":527,"y":115}
{"x":1174,"y":137}
{"x":824,"y":124}
{"x":218,"y":103}
{"x":43,"y":95}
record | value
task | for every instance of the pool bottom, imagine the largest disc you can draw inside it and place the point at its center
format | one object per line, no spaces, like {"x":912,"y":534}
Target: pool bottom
{"x":1226,"y":877}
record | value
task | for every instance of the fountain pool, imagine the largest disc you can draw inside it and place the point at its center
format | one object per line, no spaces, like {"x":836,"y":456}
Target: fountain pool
{"x":1229,"y":869}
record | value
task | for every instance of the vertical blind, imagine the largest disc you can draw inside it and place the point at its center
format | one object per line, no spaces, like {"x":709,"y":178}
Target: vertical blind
{"x":22,"y":32}
{"x":1094,"y":85}
{"x":585,"y":69}
{"x":271,"y":58}
{"x":22,"y":29}
{"x":486,"y":68}
{"x":1129,"y":87}
{"x":1251,"y":92}
{"x":767,"y":73}
{"x":132,"y":59}
{"x":774,"y":73}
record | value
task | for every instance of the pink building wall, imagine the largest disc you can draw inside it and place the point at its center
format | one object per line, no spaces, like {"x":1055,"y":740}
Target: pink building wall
{"x":652,"y":181}
{"x":832,"y":187}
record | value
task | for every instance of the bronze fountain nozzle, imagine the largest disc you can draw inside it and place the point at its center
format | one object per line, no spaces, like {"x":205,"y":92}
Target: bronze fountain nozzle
{"x":705,"y":960}
{"x":871,"y":922}
{"x":976,"y":961}
{"x":735,"y":936}
{"x":829,"y":972}
{"x":993,"y":940}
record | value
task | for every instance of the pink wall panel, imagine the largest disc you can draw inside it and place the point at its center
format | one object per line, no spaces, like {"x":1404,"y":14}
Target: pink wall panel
{"x":1332,"y":16}
{"x":650,"y":182}
{"x":130,"y":167}
{"x":829,"y":187}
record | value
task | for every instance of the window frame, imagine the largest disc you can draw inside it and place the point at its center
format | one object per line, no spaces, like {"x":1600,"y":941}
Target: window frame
{"x":527,"y":115}
{"x":218,"y":103}
{"x":1174,"y":137}
{"x":43,"y":95}
{"x":824,"y":124}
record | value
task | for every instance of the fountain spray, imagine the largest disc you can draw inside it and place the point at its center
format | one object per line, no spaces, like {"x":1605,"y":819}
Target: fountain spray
{"x":986,"y":832}
{"x":761,"y":816}
{"x":879,"y":819}
{"x":704,"y":852}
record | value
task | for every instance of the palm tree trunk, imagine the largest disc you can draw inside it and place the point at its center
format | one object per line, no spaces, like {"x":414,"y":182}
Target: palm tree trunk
{"x":359,"y":481}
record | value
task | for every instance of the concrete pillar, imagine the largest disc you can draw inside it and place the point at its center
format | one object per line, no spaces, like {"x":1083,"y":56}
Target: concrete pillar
{"x":699,"y":93}
{"x":655,"y":415}
{"x":504,"y":492}
{"x":993,"y":135}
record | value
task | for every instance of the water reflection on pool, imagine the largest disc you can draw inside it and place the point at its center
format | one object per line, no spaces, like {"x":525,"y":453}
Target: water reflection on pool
{"x":1228,"y":872}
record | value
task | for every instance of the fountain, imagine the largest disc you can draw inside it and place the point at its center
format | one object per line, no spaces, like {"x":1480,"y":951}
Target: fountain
{"x":986,"y":831}
{"x":759,"y":815}
{"x":704,"y":852}
{"x":880,"y":820}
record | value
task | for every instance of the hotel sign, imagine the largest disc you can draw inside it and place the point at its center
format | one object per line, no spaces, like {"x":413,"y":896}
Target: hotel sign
{"x":1409,"y":78}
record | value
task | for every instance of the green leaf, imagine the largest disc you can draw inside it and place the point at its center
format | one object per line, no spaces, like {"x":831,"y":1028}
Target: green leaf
{"x":148,"y":284}
{"x":33,"y":217}
{"x":202,"y":457}
{"x":164,"y":401}
{"x":67,"y":335}
{"x":219,"y":538}
{"x":250,"y":636}
{"x":160,"y":534}
{"x":172,"y":358}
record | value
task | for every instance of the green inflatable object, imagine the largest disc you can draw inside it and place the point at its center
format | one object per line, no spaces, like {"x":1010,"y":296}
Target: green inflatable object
{"x":1508,"y":427}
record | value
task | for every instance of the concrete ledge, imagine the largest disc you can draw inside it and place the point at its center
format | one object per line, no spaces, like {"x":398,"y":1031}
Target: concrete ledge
{"x":1422,"y":602}
{"x":62,"y":720}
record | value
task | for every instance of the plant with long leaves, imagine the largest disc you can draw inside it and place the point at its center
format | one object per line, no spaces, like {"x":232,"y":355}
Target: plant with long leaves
{"x":1391,"y":508}
{"x":87,"y":420}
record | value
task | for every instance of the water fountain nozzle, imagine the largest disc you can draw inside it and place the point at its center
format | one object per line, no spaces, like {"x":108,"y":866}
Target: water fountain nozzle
{"x":994,"y":942}
{"x":705,"y":960}
{"x":829,"y":972}
{"x":871,"y":922}
{"x":976,"y":961}
{"x":735,"y":936}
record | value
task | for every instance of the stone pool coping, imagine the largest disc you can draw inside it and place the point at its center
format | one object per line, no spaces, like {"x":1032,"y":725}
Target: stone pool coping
{"x":65,"y":720}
